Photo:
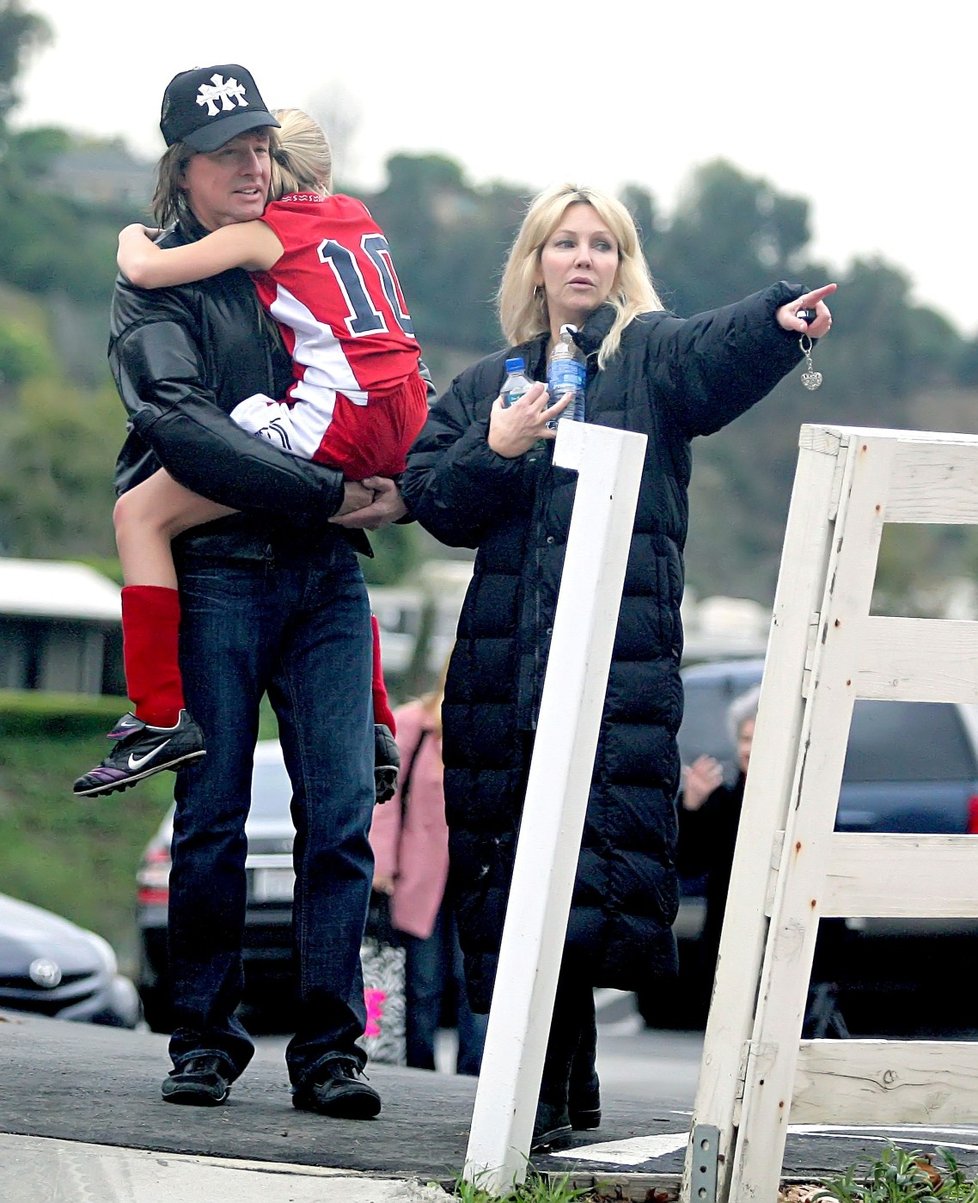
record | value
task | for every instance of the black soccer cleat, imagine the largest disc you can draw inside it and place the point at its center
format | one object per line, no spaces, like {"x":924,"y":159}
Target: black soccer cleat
{"x":387,"y":762}
{"x":140,"y":751}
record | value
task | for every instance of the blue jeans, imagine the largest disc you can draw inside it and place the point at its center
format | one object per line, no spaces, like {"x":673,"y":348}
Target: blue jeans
{"x":297,"y":628}
{"x":433,"y":973}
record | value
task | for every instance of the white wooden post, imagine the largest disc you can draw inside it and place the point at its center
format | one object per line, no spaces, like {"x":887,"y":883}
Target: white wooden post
{"x":791,"y":868}
{"x":801,"y":583}
{"x":609,"y":465}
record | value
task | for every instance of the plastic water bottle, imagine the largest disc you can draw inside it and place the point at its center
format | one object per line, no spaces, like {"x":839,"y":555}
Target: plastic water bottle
{"x":516,"y":382}
{"x":514,"y":386}
{"x":567,"y":373}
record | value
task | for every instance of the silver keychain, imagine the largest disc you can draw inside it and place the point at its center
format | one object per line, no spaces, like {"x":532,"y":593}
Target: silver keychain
{"x":809,"y":378}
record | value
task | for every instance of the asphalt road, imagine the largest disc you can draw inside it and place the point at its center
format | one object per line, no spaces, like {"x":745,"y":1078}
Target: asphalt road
{"x":92,"y":1086}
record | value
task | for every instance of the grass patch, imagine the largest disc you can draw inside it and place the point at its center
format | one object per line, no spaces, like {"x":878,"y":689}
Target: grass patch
{"x":533,"y":1190}
{"x":901,"y":1176}
{"x":76,"y":857}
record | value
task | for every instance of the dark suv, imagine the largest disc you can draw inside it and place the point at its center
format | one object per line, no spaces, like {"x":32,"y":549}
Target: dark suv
{"x":910,"y":767}
{"x":268,"y":924}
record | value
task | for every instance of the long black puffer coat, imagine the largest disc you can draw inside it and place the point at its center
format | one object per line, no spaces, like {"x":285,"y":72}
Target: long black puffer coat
{"x":672,"y":378}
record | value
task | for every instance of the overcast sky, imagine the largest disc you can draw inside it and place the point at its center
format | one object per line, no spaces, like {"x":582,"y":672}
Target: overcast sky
{"x":865,"y":108}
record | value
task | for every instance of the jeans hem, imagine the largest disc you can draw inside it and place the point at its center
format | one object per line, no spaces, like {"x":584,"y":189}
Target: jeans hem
{"x":233,"y":1071}
{"x":356,"y":1055}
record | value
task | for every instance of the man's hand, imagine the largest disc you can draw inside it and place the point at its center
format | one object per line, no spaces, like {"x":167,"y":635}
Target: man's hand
{"x":514,"y":429}
{"x":355,"y":497}
{"x":381,"y":505}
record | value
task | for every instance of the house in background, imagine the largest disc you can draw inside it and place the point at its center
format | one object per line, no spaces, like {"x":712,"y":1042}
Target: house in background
{"x":60,"y":628}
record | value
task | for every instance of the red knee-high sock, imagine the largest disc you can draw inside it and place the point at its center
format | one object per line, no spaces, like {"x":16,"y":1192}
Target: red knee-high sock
{"x":150,"y":630}
{"x":382,"y":707}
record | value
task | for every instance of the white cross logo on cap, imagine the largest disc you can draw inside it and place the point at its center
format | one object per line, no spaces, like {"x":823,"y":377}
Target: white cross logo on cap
{"x":226,"y":92}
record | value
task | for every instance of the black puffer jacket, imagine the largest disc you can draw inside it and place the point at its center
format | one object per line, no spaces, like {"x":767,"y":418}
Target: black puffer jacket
{"x":672,"y":379}
{"x":182,"y":358}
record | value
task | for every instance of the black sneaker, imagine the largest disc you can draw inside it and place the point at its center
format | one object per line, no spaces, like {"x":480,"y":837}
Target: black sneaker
{"x":140,"y":751}
{"x":338,"y":1090}
{"x":387,"y":762}
{"x":551,"y":1128}
{"x":584,"y":1105}
{"x":199,"y":1082}
{"x":584,"y":1093}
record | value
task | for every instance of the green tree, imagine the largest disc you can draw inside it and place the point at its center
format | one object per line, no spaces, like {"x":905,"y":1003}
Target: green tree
{"x":730,"y":235}
{"x":23,"y":354}
{"x":57,"y":453}
{"x":643,"y":208}
{"x":21,"y":33}
{"x":448,"y":240}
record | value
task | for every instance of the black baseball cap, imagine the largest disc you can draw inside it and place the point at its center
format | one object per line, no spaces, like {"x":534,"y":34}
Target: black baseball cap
{"x":208,"y":106}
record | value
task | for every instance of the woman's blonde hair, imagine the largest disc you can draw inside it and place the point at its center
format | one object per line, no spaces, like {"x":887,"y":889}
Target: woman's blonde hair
{"x":522,"y":304}
{"x":302,"y":160}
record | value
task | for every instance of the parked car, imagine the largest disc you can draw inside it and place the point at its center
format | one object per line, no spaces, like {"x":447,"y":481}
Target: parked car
{"x":50,"y":966}
{"x":267,"y":945}
{"x":910,"y":767}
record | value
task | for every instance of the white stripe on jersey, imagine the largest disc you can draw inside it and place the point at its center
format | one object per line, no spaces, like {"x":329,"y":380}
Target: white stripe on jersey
{"x":319,"y":352}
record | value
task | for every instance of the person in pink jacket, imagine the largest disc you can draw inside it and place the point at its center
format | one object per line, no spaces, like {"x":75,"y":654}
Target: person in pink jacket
{"x":410,"y":842}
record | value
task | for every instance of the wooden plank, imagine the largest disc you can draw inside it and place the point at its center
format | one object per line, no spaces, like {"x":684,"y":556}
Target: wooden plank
{"x":786,"y":970}
{"x":916,"y":659}
{"x":801,"y":582}
{"x":935,"y":477}
{"x":750,"y":1085}
{"x":609,"y":464}
{"x":886,"y":1082}
{"x":935,"y":483}
{"x":890,"y":875}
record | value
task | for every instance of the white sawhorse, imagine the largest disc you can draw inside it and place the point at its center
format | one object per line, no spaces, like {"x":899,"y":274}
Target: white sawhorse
{"x":791,"y":868}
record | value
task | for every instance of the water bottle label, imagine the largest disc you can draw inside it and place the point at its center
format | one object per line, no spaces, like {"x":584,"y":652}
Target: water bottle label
{"x":568,"y":375}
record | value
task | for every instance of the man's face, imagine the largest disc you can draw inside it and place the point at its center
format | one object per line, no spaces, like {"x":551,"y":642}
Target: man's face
{"x":231,"y":183}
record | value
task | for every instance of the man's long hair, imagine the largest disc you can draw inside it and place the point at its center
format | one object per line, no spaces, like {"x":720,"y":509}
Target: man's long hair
{"x":169,"y":199}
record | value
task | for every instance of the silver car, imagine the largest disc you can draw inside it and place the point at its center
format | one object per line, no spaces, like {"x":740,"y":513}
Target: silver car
{"x":50,"y":966}
{"x":267,"y":948}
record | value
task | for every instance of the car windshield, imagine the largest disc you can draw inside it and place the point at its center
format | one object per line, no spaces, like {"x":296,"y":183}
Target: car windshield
{"x":907,"y":741}
{"x":271,"y":791}
{"x":888,"y":741}
{"x":705,"y":729}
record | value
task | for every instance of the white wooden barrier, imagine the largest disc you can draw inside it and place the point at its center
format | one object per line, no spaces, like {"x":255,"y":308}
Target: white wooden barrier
{"x":791,"y":868}
{"x":609,"y":465}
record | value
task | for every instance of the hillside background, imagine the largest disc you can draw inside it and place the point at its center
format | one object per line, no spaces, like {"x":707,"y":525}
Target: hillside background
{"x":889,"y":363}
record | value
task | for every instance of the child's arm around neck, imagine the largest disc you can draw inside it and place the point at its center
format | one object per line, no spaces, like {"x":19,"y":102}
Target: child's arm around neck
{"x":248,"y":244}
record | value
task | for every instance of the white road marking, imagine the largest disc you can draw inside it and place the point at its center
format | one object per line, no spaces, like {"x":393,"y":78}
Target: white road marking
{"x":639,"y":1149}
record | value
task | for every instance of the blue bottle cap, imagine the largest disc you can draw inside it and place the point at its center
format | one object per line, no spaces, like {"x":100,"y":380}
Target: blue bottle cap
{"x":515,"y":365}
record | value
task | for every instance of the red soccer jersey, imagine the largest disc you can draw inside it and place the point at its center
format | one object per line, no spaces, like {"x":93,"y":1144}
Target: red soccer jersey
{"x":336,"y":296}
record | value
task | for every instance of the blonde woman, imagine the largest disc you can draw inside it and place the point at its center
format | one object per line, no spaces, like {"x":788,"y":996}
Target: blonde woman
{"x":577,"y":259}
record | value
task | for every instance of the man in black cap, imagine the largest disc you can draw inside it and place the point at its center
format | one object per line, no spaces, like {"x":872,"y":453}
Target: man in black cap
{"x":206,"y":111}
{"x":271,"y":602}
